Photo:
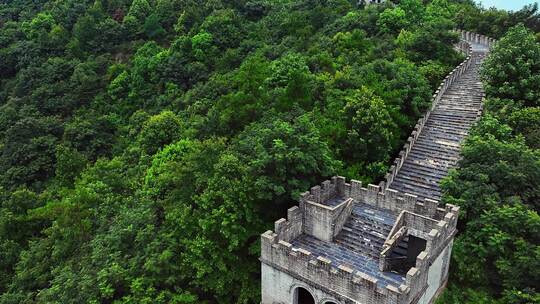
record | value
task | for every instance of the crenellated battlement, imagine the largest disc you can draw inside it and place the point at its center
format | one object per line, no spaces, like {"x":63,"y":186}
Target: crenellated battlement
{"x":436,"y":233}
{"x":322,"y":271}
{"x":340,"y":278}
{"x":322,"y":213}
{"x":372,"y":195}
{"x":290,"y":229}
{"x":471,"y":37}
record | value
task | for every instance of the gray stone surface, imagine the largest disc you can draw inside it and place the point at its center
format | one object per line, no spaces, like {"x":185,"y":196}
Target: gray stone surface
{"x":437,"y":148}
{"x":359,"y":244}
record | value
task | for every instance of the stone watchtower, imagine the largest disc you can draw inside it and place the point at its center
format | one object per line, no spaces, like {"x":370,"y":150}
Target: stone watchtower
{"x":349,"y":244}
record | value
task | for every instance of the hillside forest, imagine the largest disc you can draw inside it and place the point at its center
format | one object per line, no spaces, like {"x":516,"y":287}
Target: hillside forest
{"x":146,"y":144}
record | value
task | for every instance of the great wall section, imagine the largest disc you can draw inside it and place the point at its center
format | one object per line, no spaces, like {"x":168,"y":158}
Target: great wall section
{"x":381,"y":244}
{"x":434,"y":145}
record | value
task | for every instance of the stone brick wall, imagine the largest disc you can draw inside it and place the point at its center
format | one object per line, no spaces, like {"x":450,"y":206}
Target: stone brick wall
{"x":290,"y":229}
{"x":327,"y":190}
{"x":436,"y":233}
{"x":384,"y":198}
{"x":317,"y":270}
{"x":320,"y":220}
{"x":279,"y":288}
{"x":476,"y":38}
{"x":341,"y":217}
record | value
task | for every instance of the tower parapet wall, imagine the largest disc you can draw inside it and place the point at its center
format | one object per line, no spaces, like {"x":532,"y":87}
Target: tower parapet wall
{"x":437,"y":233}
{"x":288,"y":230}
{"x":328,"y":190}
{"x":319,"y":271}
{"x":372,"y":195}
{"x":418,"y":215}
{"x":355,"y":285}
{"x":313,"y":207}
{"x":322,"y":220}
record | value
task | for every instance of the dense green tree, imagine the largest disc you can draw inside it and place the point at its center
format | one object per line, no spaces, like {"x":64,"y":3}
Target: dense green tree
{"x":225,"y":27}
{"x":95,"y":31}
{"x":16,"y":230}
{"x":392,"y":21}
{"x":369,"y":131}
{"x":160,"y":130}
{"x":246,"y":102}
{"x":136,"y":16}
{"x":527,"y":123}
{"x":513,"y":69}
{"x":496,"y":188}
{"x":399,"y":84}
{"x":28,"y":152}
{"x":291,"y":150}
{"x":69,"y":164}
{"x":152,"y":27}
{"x":291,"y":82}
{"x":92,"y":137}
{"x":39,"y":28}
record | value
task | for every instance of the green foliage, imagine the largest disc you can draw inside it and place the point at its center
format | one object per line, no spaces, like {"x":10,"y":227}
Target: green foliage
{"x":392,"y":21}
{"x":291,"y":81}
{"x":39,"y":28}
{"x":28,"y":152}
{"x":400,"y":84}
{"x":152,"y":27}
{"x":201,"y":44}
{"x":497,"y":189}
{"x":526,"y":122}
{"x":456,"y":294}
{"x":140,"y":9}
{"x":69,"y":164}
{"x":159,"y":130}
{"x":94,"y":31}
{"x":494,"y":22}
{"x":513,"y":69}
{"x":93,"y":136}
{"x":292,"y":150}
{"x":369,"y":130}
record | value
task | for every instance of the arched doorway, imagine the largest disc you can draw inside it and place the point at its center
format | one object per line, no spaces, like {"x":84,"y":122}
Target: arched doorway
{"x":329,"y":302}
{"x":303,"y":296}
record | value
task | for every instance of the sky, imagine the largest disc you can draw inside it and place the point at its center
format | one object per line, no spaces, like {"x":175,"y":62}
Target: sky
{"x":507,"y":4}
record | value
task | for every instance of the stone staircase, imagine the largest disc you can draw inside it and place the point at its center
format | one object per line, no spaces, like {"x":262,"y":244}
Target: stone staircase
{"x":366,"y":234}
{"x":437,"y":149}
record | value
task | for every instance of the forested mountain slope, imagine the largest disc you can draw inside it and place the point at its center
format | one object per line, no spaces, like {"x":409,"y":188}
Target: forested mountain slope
{"x":145,"y":144}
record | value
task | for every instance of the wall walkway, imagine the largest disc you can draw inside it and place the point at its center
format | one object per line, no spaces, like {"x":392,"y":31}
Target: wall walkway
{"x":434,"y":147}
